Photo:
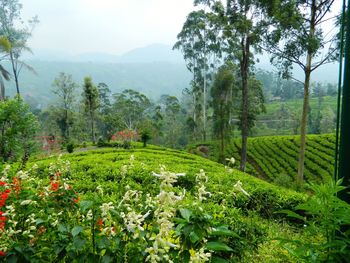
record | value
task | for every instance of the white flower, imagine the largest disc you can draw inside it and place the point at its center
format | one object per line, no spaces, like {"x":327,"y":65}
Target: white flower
{"x":99,"y":189}
{"x":22,"y":175}
{"x":238,"y":187}
{"x":105,"y":208}
{"x":231,"y":160}
{"x":124,"y":170}
{"x":66,"y":186}
{"x":55,"y":223}
{"x":26,"y":202}
{"x":199,"y":256}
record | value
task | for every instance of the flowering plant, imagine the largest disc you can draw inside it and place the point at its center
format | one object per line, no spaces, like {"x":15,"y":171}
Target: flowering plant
{"x":43,"y":219}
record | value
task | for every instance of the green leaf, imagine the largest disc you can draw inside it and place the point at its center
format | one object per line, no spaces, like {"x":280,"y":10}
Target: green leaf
{"x":291,"y":214}
{"x":186,"y":214}
{"x":62,"y":228}
{"x":218,"y":246}
{"x":218,"y":260}
{"x":76,"y":230}
{"x":79,"y":243}
{"x":85,"y":205}
{"x":194,"y":237}
{"x":106,"y":259}
{"x":39,"y":221}
{"x":223,"y":231}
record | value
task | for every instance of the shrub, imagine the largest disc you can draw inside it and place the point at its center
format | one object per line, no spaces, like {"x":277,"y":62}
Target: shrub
{"x":70,"y":147}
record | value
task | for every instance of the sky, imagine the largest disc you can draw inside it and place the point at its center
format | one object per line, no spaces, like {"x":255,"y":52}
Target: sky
{"x":108,"y":26}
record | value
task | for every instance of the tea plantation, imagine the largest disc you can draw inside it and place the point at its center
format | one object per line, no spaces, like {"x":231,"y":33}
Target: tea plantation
{"x":252,"y":218}
{"x":275,"y":158}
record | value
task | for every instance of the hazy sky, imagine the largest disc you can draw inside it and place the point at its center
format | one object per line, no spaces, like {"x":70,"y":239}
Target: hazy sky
{"x":110,"y":26}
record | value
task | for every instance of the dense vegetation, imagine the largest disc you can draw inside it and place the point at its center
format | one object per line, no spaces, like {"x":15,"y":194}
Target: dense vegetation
{"x":114,"y":196}
{"x":274,"y":158}
{"x":112,"y":173}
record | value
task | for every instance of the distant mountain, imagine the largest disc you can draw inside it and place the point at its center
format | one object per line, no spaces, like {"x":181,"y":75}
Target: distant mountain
{"x":152,"y":79}
{"x":149,"y":54}
{"x":154,"y":70}
{"x":152,"y":53}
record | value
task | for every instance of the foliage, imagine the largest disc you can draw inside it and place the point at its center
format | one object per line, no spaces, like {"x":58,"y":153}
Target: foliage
{"x":223,"y":92}
{"x":70,"y":147}
{"x":91,"y":102}
{"x":44,"y":219}
{"x":274,"y":158}
{"x":65,"y":89}
{"x":325,"y":217}
{"x":18,"y":127}
{"x":17,"y":33}
{"x":130,"y":107}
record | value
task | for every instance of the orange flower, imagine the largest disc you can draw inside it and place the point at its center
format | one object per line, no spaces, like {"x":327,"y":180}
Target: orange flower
{"x":76,"y":200}
{"x":54,"y":186}
{"x":100,"y":222}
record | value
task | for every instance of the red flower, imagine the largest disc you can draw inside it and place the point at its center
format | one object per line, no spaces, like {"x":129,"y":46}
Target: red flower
{"x":100,"y":222}
{"x":76,"y":200}
{"x":2,"y":183}
{"x":54,"y":186}
{"x":2,"y":254}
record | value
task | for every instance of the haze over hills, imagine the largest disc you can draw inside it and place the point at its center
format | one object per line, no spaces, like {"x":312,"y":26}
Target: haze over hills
{"x":153,"y":70}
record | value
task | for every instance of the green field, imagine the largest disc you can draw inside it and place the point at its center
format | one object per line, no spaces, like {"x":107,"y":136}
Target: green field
{"x":275,"y":158}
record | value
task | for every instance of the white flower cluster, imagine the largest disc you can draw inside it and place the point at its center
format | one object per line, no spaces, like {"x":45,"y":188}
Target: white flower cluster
{"x":105,"y":208}
{"x":133,"y":222}
{"x":199,"y":256}
{"x":201,"y":179}
{"x":165,"y":202}
{"x":5,"y":173}
{"x":31,"y":221}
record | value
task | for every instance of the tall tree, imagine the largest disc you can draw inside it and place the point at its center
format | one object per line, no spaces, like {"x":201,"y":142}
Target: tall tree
{"x":298,"y":38}
{"x":242,"y":23}
{"x":10,"y":19}
{"x":222,"y":94}
{"x":130,"y":107}
{"x":199,"y":44}
{"x":104,"y":111}
{"x":65,"y":88}
{"x":91,"y":102}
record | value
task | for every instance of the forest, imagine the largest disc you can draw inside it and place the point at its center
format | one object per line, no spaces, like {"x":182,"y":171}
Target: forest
{"x":243,"y":164}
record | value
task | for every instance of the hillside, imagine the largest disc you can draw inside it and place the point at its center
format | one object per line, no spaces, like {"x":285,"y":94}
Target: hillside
{"x":275,"y":158}
{"x":152,"y":79}
{"x":105,"y":175}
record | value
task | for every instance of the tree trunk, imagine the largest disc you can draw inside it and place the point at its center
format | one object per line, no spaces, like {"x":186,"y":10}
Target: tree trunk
{"x":67,"y":125}
{"x":205,"y":105}
{"x":307,"y":71}
{"x":2,"y":91}
{"x":15,"y":73}
{"x":245,"y":104}
{"x":92,"y":128}
{"x":303,"y":128}
{"x":222,"y":135}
